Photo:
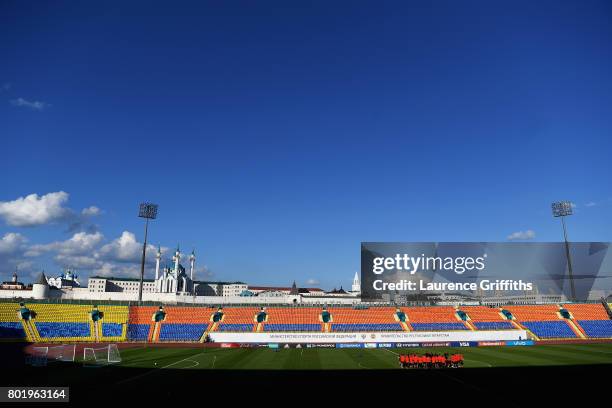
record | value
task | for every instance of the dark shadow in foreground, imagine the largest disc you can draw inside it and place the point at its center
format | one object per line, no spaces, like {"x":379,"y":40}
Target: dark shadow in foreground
{"x":516,"y":386}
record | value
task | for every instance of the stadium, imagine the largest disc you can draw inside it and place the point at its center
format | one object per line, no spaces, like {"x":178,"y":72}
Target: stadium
{"x":126,"y":347}
{"x":259,"y":203}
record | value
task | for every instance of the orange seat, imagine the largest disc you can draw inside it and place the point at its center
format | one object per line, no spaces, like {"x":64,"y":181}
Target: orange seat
{"x":534,"y":313}
{"x":587,"y":311}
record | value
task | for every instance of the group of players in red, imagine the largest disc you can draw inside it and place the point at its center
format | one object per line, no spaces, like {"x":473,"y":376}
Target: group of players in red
{"x":429,"y":360}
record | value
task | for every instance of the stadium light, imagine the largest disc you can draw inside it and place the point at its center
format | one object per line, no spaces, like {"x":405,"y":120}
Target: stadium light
{"x":148,"y":211}
{"x":562,"y":209}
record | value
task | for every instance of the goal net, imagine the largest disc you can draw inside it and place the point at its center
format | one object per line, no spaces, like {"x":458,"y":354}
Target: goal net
{"x":65,"y":352}
{"x":101,"y":355}
{"x":40,"y":356}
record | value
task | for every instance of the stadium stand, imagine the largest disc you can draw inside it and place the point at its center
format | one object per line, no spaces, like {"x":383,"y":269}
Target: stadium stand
{"x":238,"y":319}
{"x":60,"y":322}
{"x":185,"y":323}
{"x":550,"y":329}
{"x":483,"y":314}
{"x":435,"y":318}
{"x":597,"y":328}
{"x":587,"y":311}
{"x":438,"y":326}
{"x":10,"y":324}
{"x":235,"y":327}
{"x":12,"y":330}
{"x":292,"y":327}
{"x":592,"y":318}
{"x":441,"y":314}
{"x":138,"y":332}
{"x":114,"y":322}
{"x":70,"y":322}
{"x":534,"y":313}
{"x":296,"y":319}
{"x":371,"y":319}
{"x":64,"y":330}
{"x":181,"y":332}
{"x":140,"y":322}
{"x":503,"y":325}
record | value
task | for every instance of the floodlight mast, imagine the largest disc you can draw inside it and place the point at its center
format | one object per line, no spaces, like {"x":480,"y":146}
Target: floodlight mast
{"x":148,"y":211}
{"x":562,"y":209}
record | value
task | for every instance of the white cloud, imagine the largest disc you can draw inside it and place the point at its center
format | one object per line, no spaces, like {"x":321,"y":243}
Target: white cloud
{"x":79,"y":243}
{"x":123,"y":249}
{"x":11,"y":243}
{"x":590,"y":204}
{"x":34,"y":105}
{"x":12,"y":247}
{"x":312,"y":282}
{"x":521,"y":235}
{"x":91,"y":211}
{"x":86,"y":253}
{"x":34,"y":209}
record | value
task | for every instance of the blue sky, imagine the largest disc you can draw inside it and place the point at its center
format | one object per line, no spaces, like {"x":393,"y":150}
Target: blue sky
{"x":275,"y":137}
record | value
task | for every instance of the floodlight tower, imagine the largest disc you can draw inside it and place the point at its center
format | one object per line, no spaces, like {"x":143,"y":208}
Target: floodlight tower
{"x":148,"y":211}
{"x":562,"y":209}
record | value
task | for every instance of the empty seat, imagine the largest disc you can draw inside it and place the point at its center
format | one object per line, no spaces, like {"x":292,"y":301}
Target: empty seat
{"x":437,"y":326}
{"x":292,"y":327}
{"x":63,"y":329}
{"x":138,"y":332}
{"x":112,"y":329}
{"x":181,"y":332}
{"x":550,"y":329}
{"x":536,"y":313}
{"x":235,"y":327}
{"x":502,"y":325}
{"x":587,"y":311}
{"x":12,"y":330}
{"x":597,"y":328}
{"x":483,"y":313}
{"x":432,"y":314}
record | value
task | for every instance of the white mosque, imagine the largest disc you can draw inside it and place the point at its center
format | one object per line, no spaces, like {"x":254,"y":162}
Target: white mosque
{"x":175,"y":279}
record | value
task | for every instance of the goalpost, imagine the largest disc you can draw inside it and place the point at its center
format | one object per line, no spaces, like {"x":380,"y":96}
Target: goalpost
{"x":65,"y":352}
{"x":40,"y":356}
{"x":101,"y":355}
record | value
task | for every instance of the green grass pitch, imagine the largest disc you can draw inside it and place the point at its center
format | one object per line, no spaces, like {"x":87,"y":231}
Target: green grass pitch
{"x":356,"y":359}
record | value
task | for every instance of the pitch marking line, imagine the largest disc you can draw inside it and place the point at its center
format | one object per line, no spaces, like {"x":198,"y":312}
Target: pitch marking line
{"x":161,"y":368}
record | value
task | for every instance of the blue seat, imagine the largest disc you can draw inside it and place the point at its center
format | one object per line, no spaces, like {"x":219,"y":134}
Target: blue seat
{"x":11,"y":330}
{"x":112,"y":329}
{"x":597,"y":328}
{"x":301,"y":327}
{"x":493,"y":325}
{"x":235,"y":327}
{"x":437,"y":326}
{"x":181,"y":331}
{"x":367,"y":327}
{"x":138,"y":331}
{"x":550,"y":329}
{"x":63,"y":329}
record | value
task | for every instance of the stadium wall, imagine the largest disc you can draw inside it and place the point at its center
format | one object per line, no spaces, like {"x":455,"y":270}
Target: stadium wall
{"x":408,"y":337}
{"x":170,"y":298}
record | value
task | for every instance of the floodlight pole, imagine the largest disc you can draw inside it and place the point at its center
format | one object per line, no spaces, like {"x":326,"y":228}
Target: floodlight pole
{"x":569,"y":260}
{"x":142,"y":261}
{"x":562,"y":209}
{"x":148,"y":211}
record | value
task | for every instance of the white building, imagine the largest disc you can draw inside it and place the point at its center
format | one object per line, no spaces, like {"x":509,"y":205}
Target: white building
{"x":66,"y":280}
{"x":356,"y":287}
{"x":174,"y":280}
